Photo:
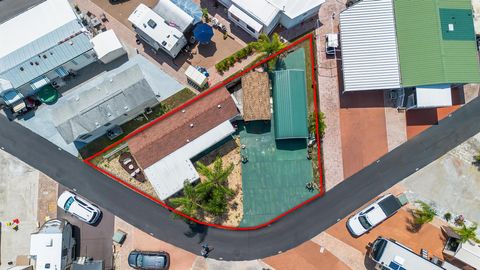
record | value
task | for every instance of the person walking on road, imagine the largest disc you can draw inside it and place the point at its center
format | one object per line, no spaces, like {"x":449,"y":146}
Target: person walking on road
{"x":205,"y":250}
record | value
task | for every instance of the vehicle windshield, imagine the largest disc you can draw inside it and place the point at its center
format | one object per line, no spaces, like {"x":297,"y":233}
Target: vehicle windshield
{"x":363,"y":220}
{"x":140,"y":260}
{"x":68,"y":203}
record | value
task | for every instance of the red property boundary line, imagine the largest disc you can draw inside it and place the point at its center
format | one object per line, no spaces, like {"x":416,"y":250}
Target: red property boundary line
{"x":309,"y":37}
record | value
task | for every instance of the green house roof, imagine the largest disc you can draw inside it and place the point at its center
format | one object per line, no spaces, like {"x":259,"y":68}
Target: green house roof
{"x":290,"y":104}
{"x":436,"y":42}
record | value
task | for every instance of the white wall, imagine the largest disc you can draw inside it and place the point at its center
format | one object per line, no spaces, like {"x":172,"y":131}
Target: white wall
{"x":289,"y":23}
{"x":243,"y":25}
{"x":68,"y":242}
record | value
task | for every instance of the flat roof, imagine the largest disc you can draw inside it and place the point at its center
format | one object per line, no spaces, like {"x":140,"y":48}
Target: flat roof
{"x":35,"y":23}
{"x":295,"y":8}
{"x":155,"y":27}
{"x":105,"y":43}
{"x":369,"y":46}
{"x":443,"y":50}
{"x":434,"y":96}
{"x":290,"y":104}
{"x":256,"y":96}
{"x":262,"y":10}
{"x":168,"y":174}
{"x":182,"y":127}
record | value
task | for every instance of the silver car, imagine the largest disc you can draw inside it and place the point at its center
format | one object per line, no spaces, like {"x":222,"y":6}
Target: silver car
{"x":79,"y":207}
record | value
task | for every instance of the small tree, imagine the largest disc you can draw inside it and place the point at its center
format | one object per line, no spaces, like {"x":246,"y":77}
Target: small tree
{"x":467,"y":233}
{"x":312,"y":123}
{"x":213,"y":191}
{"x":205,"y":15}
{"x":423,"y":215}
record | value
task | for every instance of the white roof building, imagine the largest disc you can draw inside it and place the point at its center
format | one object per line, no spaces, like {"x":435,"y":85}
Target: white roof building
{"x":155,"y":31}
{"x":107,"y":46}
{"x":52,"y":246}
{"x":369,"y":46}
{"x":262,"y":16}
{"x":173,"y":15}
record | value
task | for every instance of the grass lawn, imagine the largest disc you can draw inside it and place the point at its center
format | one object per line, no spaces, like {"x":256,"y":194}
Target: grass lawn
{"x":168,"y":104}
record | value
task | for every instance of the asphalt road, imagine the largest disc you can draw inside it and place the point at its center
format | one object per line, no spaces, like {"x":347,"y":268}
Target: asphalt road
{"x":92,"y":241}
{"x":286,"y":233}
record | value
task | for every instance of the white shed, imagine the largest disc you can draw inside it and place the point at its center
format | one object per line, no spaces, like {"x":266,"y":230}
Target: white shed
{"x":107,"y":46}
{"x":433,"y":96}
{"x":196,"y":77}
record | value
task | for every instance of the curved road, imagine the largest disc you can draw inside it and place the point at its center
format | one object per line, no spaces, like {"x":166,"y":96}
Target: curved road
{"x":286,"y":233}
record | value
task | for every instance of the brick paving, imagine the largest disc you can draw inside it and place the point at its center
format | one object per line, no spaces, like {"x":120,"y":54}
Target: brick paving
{"x":329,"y":99}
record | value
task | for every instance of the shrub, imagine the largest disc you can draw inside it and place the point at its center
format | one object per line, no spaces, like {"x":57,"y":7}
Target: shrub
{"x":447,"y":216}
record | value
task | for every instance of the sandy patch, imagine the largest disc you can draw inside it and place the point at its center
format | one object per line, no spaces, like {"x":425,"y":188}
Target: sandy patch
{"x":112,"y":165}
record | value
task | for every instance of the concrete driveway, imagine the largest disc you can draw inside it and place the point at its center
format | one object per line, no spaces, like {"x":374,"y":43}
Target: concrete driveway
{"x":18,"y":199}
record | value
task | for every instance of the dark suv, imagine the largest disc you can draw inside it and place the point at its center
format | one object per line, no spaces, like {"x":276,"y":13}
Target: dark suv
{"x":149,"y":260}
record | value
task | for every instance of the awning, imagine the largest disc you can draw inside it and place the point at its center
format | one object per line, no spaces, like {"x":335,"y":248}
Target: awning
{"x":39,"y":82}
{"x":61,"y":72}
{"x":245,"y":18}
{"x":448,"y":231}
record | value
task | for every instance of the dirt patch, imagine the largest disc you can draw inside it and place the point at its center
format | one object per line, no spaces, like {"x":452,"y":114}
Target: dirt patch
{"x":230,"y":153}
{"x":113,"y":166}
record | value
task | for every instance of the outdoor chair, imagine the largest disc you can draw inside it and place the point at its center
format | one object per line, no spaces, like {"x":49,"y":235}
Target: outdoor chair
{"x":126,"y":161}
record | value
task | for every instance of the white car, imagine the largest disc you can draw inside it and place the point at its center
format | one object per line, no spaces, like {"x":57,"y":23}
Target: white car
{"x":374,"y":214}
{"x":79,"y":207}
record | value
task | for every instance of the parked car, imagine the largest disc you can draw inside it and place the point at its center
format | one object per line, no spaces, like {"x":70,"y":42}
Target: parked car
{"x":374,"y":214}
{"x":79,"y":207}
{"x":149,"y":260}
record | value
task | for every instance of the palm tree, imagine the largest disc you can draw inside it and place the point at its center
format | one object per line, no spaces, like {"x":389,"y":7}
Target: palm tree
{"x":423,"y":215}
{"x":190,"y":202}
{"x":269,"y":47}
{"x":467,"y":233}
{"x":213,"y":191}
{"x":215,"y":178}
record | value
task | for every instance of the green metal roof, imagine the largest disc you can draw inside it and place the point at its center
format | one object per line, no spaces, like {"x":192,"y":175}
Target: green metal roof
{"x":428,"y":52}
{"x":290,"y":104}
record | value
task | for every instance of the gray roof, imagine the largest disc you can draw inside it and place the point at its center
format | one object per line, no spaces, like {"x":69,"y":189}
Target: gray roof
{"x":102,"y":101}
{"x":59,"y":47}
{"x":11,"y":8}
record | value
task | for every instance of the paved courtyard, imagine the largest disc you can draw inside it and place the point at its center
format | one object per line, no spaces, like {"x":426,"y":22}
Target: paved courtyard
{"x":274,"y":178}
{"x":18,"y":199}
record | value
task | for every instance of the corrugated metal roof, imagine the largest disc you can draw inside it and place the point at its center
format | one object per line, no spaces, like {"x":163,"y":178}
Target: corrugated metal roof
{"x":49,"y":51}
{"x":369,"y":46}
{"x":98,"y":105}
{"x":290,"y":104}
{"x":425,"y":56}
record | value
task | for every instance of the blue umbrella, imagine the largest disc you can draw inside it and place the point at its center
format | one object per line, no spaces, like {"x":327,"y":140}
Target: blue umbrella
{"x":203,"y":33}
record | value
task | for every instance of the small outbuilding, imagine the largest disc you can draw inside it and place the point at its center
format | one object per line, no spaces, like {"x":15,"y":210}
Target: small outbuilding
{"x":107,"y":46}
{"x":256,"y":96}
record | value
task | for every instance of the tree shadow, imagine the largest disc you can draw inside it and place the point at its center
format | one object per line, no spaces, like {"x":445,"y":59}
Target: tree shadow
{"x":412,"y":226}
{"x":195,"y":230}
